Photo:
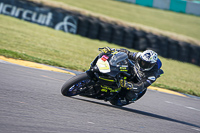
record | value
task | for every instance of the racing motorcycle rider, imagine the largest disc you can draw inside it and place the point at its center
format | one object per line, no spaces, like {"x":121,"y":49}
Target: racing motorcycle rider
{"x":146,"y":71}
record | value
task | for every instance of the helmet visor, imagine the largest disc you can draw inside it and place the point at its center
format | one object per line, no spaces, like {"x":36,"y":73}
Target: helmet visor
{"x":144,"y":64}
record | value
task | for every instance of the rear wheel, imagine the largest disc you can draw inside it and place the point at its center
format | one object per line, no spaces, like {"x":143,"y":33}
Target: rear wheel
{"x":75,"y":85}
{"x":116,"y":102}
{"x":141,"y":94}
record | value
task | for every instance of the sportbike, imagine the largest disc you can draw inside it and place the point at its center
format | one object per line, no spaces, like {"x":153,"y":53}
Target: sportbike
{"x":102,"y":80}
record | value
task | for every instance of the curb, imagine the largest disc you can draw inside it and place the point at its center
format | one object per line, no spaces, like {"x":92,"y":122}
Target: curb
{"x":34,"y":65}
{"x":166,"y":91}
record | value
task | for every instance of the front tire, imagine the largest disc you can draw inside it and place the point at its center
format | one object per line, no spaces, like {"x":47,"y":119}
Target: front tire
{"x":72,"y":87}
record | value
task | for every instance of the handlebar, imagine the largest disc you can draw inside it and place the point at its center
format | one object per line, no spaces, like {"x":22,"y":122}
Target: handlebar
{"x":105,"y":49}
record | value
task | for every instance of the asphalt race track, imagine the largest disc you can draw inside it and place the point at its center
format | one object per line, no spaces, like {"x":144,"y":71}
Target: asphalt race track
{"x":31,"y":102}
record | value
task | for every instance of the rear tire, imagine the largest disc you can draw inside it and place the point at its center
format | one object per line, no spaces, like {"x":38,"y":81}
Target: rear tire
{"x":70,"y":83}
{"x":141,"y":94}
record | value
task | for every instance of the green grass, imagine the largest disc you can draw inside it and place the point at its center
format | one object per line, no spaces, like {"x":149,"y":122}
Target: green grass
{"x":23,"y":40}
{"x":184,"y":24}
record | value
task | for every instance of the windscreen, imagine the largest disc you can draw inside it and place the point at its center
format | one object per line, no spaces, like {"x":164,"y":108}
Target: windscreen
{"x":119,"y":59}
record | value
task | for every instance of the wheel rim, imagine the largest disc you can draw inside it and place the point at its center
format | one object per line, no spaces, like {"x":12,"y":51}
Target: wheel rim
{"x":78,"y":88}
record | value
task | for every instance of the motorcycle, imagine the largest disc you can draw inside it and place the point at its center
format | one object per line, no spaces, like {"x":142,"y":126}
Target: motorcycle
{"x":102,"y":80}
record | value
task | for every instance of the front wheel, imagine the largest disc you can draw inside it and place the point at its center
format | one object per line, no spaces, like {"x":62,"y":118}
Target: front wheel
{"x":75,"y":85}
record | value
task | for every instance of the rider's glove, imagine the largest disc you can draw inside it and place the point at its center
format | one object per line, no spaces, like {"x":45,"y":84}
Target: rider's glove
{"x":130,"y":86}
{"x":126,"y":84}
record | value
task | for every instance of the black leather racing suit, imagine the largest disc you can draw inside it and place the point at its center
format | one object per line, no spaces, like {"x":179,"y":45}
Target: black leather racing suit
{"x":141,"y":79}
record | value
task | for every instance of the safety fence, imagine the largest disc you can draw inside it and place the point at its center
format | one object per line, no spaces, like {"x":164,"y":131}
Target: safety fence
{"x":95,"y":28}
{"x":183,"y":6}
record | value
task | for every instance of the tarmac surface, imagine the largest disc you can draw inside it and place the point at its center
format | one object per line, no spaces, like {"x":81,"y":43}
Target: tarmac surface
{"x":31,"y":102}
